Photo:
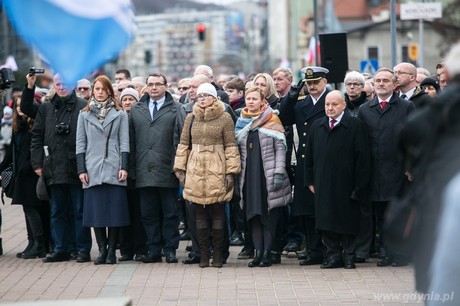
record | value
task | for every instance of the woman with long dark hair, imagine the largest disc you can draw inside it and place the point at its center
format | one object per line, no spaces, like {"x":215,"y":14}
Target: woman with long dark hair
{"x":102,"y":163}
{"x":24,"y":182}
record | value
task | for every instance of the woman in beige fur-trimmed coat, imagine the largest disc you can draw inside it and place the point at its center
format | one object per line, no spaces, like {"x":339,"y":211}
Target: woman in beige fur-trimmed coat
{"x":207,"y":159}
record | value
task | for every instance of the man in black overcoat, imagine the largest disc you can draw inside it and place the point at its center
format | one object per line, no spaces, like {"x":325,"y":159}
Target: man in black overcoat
{"x":383,"y":115}
{"x":338,"y":172}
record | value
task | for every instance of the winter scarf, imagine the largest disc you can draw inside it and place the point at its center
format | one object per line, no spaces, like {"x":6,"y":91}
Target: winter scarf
{"x":100,"y":108}
{"x":265,"y":121}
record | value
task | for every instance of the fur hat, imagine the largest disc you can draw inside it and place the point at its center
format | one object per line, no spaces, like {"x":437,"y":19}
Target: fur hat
{"x":129,"y":92}
{"x":207,"y":88}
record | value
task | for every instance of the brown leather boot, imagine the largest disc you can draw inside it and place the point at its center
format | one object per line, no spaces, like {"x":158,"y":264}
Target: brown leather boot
{"x":218,"y":236}
{"x":203,"y":242}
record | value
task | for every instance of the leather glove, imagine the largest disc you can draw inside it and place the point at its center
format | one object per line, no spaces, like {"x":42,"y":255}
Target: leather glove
{"x":229,"y":181}
{"x":81,"y":163}
{"x":181,"y":177}
{"x":278,"y":181}
{"x":295,"y":89}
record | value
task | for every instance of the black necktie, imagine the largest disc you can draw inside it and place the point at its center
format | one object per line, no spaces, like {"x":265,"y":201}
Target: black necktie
{"x":404,"y":96}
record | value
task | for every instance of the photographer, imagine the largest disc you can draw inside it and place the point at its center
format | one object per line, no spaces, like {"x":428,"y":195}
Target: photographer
{"x":53,"y":155}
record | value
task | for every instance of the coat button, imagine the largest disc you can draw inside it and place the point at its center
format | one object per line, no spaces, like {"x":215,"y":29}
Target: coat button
{"x":304,"y":134}
{"x":303,"y":145}
{"x":303,"y":156}
{"x":305,"y":123}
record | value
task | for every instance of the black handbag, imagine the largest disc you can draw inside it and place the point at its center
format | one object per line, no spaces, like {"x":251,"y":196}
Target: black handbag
{"x":7,"y":182}
{"x":6,"y":175}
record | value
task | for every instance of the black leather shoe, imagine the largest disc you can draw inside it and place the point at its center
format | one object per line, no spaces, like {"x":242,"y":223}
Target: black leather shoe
{"x":266,"y":260}
{"x":191,"y":260}
{"x":73,"y":255}
{"x":256,"y":261}
{"x":399,"y":263}
{"x":57,"y":257}
{"x":302,"y":256}
{"x":349,"y":264}
{"x":332,"y":264}
{"x":236,"y":241}
{"x":246,"y":253}
{"x":83,"y":257}
{"x":171,"y":258}
{"x":360,"y":260}
{"x":125,"y":257}
{"x":291,"y":247}
{"x":138,"y":257}
{"x":185,"y":236}
{"x":310,"y":261}
{"x":385,"y":262}
{"x":150,"y":258}
{"x":275,"y":258}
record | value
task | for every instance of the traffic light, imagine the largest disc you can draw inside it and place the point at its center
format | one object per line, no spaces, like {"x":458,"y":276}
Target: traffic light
{"x":412,"y":51}
{"x":147,"y":56}
{"x":201,"y":29}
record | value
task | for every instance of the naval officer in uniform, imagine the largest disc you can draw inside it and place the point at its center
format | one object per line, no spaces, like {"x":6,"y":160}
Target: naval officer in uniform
{"x":303,"y":113}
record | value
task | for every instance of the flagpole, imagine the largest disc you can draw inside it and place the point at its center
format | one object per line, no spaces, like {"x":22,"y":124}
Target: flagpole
{"x":315,"y":13}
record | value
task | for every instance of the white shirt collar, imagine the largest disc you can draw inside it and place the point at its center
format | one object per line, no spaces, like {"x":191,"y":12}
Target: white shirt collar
{"x":337,"y":120}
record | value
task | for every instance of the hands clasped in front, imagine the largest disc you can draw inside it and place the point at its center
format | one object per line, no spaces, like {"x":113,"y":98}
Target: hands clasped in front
{"x":122,"y":176}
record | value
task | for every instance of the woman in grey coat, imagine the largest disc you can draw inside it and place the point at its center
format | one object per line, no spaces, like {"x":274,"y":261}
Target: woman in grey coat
{"x":102,"y":161}
{"x":264,"y":183}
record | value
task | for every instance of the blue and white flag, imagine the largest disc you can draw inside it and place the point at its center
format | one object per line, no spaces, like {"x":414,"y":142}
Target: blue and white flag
{"x":75,"y":37}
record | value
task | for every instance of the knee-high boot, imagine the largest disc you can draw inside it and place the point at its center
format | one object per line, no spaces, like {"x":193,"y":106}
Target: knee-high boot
{"x":113,"y":238}
{"x":101,"y":239}
{"x":218,"y":236}
{"x":203,"y":242}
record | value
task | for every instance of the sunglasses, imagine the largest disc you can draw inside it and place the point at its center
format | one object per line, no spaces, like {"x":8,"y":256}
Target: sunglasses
{"x":183,"y":88}
{"x":83,"y":88}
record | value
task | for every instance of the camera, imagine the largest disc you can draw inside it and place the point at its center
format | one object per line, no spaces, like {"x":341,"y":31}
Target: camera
{"x":35,"y":70}
{"x":62,"y":128}
{"x":6,"y":78}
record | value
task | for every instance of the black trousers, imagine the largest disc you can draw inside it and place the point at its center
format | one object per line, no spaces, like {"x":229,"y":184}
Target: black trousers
{"x":160,"y":218}
{"x":364,"y":238}
{"x":315,"y":245}
{"x":337,"y":245}
{"x":132,"y":237}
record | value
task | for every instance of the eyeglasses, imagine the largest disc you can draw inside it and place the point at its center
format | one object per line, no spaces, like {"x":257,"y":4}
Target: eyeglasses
{"x":354,"y":84}
{"x":183,"y":88}
{"x":158,"y":84}
{"x":83,"y":88}
{"x":203,"y":96}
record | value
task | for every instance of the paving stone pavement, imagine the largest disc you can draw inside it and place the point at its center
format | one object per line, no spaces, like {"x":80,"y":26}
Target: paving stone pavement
{"x":178,"y":284}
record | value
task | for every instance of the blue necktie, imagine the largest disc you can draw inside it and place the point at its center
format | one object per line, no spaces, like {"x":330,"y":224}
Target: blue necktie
{"x":155,"y":109}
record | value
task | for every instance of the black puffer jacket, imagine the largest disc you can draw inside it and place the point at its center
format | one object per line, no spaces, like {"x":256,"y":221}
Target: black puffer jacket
{"x":59,"y":167}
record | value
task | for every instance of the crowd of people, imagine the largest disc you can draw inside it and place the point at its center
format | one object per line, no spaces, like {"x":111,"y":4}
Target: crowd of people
{"x":135,"y":158}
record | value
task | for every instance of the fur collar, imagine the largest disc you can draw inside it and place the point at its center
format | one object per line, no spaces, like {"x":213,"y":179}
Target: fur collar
{"x":209,"y":113}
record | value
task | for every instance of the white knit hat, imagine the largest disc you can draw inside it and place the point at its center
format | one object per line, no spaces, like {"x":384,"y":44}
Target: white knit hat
{"x":129,"y":92}
{"x":207,"y":88}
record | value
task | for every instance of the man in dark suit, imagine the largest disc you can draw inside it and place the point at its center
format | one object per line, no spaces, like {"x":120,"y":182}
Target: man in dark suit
{"x":152,"y":121}
{"x":337,"y":172}
{"x":303,"y":113}
{"x":383,"y":115}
